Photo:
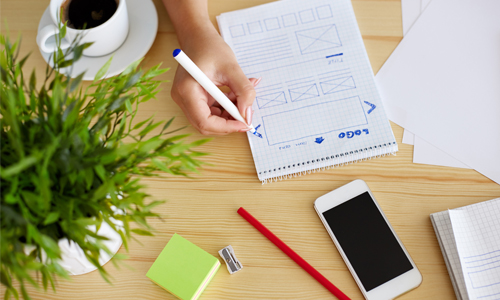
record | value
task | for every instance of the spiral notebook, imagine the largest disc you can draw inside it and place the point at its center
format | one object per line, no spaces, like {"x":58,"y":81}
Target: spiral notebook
{"x":317,"y":105}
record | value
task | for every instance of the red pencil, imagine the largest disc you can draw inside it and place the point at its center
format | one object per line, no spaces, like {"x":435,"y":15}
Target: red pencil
{"x":288,"y":251}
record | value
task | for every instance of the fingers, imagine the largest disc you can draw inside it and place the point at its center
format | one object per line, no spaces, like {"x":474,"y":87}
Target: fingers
{"x":207,"y":120}
{"x":244,"y":91}
{"x":204,"y":113}
{"x":254,"y":81}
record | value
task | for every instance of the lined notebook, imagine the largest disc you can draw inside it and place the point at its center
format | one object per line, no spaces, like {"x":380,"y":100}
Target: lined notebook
{"x":317,"y":105}
{"x":469,"y":238}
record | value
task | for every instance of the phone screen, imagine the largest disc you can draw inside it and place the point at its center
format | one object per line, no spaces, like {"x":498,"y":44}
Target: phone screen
{"x":367,"y":240}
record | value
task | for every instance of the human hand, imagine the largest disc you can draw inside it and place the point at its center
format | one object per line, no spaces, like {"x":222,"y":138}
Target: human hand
{"x":213,"y":56}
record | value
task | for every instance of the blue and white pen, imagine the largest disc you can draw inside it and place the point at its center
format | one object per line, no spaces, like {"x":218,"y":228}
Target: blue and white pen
{"x":210,"y":87}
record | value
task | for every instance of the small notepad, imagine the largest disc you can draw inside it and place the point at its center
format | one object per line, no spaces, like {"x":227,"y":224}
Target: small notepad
{"x":469,"y":238}
{"x":317,"y":104}
{"x":183,"y":269}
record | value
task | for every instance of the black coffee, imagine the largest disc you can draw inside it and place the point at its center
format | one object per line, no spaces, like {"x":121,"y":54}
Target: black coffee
{"x":85,"y":14}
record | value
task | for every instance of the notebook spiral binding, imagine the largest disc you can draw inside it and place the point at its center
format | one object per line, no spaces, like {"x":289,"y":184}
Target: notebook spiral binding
{"x":325,"y":163}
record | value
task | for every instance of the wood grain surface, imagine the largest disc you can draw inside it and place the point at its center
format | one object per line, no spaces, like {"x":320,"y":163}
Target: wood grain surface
{"x":203,"y":210}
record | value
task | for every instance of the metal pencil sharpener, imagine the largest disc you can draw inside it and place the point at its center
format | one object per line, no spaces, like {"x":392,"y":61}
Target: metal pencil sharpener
{"x":232,"y":263}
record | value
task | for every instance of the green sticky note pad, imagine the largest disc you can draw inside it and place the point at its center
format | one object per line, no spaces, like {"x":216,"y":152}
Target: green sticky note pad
{"x":183,"y":269}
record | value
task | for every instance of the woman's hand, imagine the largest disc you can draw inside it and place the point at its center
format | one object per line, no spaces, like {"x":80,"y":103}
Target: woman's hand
{"x":206,"y":48}
{"x":214,"y":57}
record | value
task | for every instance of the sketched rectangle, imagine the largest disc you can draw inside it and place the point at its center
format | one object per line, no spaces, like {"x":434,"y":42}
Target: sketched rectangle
{"x":303,"y":92}
{"x":237,"y":30}
{"x":323,"y":118}
{"x":289,"y":20}
{"x":272,"y":24}
{"x":324,"y":12}
{"x":307,"y":16}
{"x":318,"y":39}
{"x":254,"y":27}
{"x":271,"y":99}
{"x":484,"y":278}
{"x":337,"y":85}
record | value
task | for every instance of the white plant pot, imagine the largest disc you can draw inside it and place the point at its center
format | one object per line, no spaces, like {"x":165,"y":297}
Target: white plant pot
{"x":73,"y":259}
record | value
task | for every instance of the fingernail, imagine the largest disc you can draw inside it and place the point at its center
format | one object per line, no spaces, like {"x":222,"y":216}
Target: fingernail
{"x":244,"y":130}
{"x":257,"y":81}
{"x":249,"y":115}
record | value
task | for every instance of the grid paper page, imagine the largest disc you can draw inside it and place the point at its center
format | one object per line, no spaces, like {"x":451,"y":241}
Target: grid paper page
{"x":317,"y":104}
{"x":444,"y":232}
{"x":477,"y":233}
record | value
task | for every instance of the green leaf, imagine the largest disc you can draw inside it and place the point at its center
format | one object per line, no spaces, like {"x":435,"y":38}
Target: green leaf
{"x":152,"y":205}
{"x":139,"y":125}
{"x":78,"y":52}
{"x":33,"y":200}
{"x":21,"y":63}
{"x":103,"y":70}
{"x":133,"y":79}
{"x":32,"y":83}
{"x":149,"y":145}
{"x":75,"y":83}
{"x":142,"y":232}
{"x":62,"y":33}
{"x":160,"y":165}
{"x":10,"y":199}
{"x":86,"y":45}
{"x":149,"y":128}
{"x":117,"y":103}
{"x":169,"y":122}
{"x":65,"y":63}
{"x":24,"y":292}
{"x":132,"y":67}
{"x":51,"y":218}
{"x":101,"y":172}
{"x":18,"y":167}
{"x":128,"y":105}
{"x":50,"y":247}
{"x":199,"y":142}
{"x":89,"y":178}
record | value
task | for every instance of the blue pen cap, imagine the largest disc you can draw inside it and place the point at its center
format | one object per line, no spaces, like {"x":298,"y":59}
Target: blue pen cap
{"x":176,"y":52}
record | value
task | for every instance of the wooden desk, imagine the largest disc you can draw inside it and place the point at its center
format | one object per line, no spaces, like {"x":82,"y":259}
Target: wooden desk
{"x":204,"y":210}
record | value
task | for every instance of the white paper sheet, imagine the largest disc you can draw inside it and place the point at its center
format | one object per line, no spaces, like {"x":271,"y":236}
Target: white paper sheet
{"x":408,"y":137}
{"x":317,"y":104}
{"x":477,"y":233}
{"x":425,"y":153}
{"x":442,"y":81}
{"x":410,"y":11}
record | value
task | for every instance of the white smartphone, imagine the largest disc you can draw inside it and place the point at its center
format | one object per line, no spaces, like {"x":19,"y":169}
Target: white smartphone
{"x":377,"y":259}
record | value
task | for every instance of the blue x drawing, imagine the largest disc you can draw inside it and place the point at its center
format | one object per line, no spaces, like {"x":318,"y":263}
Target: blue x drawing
{"x":337,"y":85}
{"x":270,"y":100}
{"x":304,"y":92}
{"x":317,"y":39}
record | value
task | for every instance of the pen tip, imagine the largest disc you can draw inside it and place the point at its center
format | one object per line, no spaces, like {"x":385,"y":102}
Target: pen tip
{"x":176,"y":52}
{"x":257,"y":134}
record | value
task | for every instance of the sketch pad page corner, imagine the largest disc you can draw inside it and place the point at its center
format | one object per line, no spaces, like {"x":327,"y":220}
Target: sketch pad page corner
{"x":317,"y":104}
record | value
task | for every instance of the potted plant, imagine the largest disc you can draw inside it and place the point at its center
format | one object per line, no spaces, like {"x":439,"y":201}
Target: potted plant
{"x":71,"y":160}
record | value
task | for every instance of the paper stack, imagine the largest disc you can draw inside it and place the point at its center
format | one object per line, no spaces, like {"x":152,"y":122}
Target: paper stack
{"x":441,"y":83}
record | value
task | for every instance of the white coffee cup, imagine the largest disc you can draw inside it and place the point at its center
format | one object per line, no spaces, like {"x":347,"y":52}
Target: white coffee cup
{"x":106,"y":37}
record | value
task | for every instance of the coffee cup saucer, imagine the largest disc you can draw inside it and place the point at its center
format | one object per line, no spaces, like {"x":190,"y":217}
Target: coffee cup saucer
{"x":143,"y":26}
